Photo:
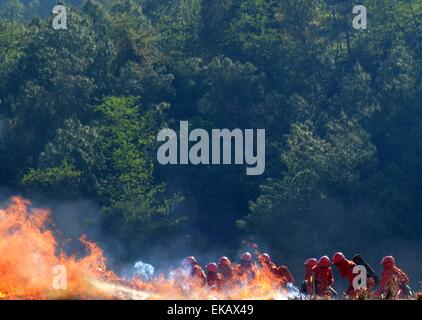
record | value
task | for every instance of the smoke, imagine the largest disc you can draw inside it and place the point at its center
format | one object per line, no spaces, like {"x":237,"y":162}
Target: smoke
{"x":143,"y":270}
{"x":72,"y":219}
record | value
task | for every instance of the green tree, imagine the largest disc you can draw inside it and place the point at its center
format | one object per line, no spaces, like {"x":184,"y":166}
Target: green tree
{"x":317,"y":191}
{"x":125,"y":168}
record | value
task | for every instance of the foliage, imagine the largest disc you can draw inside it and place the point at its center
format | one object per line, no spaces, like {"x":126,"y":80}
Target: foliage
{"x":80,"y":110}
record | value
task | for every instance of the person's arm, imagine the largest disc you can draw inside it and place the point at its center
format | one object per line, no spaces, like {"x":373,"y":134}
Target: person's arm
{"x":403,"y":277}
{"x":287,"y":274}
{"x":201,"y":275}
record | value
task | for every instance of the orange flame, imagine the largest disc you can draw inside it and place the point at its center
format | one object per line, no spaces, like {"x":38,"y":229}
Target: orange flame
{"x":29,"y":255}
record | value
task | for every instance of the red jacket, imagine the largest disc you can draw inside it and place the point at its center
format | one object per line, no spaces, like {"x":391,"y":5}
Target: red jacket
{"x":309,"y":278}
{"x":198,"y":273}
{"x":390,"y":273}
{"x":214,"y":280}
{"x":247,"y":270}
{"x":228,"y":273}
{"x":323,"y":279}
{"x":346,"y":271}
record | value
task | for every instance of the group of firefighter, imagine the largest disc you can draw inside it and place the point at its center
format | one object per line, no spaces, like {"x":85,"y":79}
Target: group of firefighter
{"x":318,"y":279}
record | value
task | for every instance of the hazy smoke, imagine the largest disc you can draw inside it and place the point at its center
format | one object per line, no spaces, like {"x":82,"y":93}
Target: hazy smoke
{"x":143,"y":270}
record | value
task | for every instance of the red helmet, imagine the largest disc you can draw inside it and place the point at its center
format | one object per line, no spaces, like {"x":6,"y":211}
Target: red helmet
{"x":190,"y":260}
{"x":265,"y":257}
{"x":212,"y":267}
{"x":338,"y":258}
{"x":224,"y":261}
{"x":388,"y":259}
{"x":311,"y":262}
{"x":324,"y":261}
{"x":246,"y":256}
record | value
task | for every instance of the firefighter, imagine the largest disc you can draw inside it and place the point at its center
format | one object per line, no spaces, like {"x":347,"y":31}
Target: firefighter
{"x":394,"y":282}
{"x":281,"y":272}
{"x":345,"y":267}
{"x":226,"y":270}
{"x":308,"y":282}
{"x":194,"y":269}
{"x":247,"y":266}
{"x":266,"y":262}
{"x":323,"y":277}
{"x":214,"y":278}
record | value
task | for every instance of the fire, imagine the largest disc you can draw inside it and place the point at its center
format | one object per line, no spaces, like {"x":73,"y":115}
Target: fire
{"x":29,"y":254}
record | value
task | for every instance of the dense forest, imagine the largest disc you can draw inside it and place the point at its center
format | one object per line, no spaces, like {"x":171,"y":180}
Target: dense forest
{"x":80,"y":110}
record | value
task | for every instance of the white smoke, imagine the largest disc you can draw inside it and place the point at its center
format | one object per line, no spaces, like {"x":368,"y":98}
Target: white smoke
{"x":292,"y":291}
{"x":143,"y":270}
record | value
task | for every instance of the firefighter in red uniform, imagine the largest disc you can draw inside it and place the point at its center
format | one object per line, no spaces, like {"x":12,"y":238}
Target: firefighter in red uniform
{"x":281,"y":272}
{"x":345,"y":267}
{"x":194,"y":269}
{"x":323,"y":277}
{"x":266,"y":262}
{"x":226,"y":270}
{"x":393,"y":282}
{"x":214,"y":278}
{"x":247,"y":266}
{"x":310,"y":266}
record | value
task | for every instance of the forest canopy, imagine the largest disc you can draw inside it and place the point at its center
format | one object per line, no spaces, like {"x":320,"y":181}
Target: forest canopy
{"x":80,"y":110}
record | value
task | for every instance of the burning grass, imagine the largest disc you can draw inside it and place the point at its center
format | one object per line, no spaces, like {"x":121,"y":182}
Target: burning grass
{"x":29,"y":253}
